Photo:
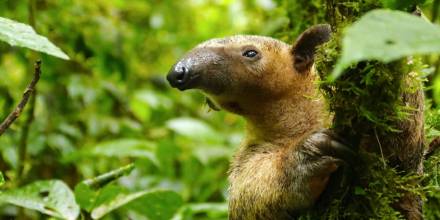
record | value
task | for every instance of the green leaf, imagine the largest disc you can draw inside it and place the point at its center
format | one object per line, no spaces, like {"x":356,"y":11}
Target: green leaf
{"x":209,"y":207}
{"x":124,"y":148}
{"x":51,"y":197}
{"x":192,"y":128}
{"x":22,"y":35}
{"x":107,"y":195}
{"x":156,"y":204}
{"x":2,"y":179}
{"x":144,"y":102}
{"x":85,"y":196}
{"x":89,"y":198}
{"x":120,"y":148}
{"x":386,"y":35}
{"x":206,"y":154}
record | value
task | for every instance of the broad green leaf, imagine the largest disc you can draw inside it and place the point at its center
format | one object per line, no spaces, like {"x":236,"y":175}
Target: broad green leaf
{"x":88,"y":198}
{"x":22,"y":35}
{"x":156,"y":204}
{"x":126,"y":148}
{"x":88,"y":193}
{"x":114,"y":201}
{"x":108,"y":194}
{"x":51,"y":197}
{"x":386,"y":35}
{"x":85,"y":196}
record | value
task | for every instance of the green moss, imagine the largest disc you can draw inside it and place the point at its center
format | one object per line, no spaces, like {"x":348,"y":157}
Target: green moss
{"x":367,"y":97}
{"x":432,"y":185}
{"x":374,"y":190}
{"x":302,"y":14}
{"x":432,"y":123}
{"x":432,"y":167}
{"x":367,"y":100}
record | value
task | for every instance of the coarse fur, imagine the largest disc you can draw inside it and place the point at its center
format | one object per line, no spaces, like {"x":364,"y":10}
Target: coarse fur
{"x":286,"y":159}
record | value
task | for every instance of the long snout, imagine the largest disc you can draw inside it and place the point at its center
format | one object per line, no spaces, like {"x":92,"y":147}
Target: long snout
{"x":183,"y":75}
{"x":188,"y":73}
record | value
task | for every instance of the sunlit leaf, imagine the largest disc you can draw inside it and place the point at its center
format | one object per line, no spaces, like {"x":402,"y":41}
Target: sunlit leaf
{"x":206,"y":154}
{"x":156,"y":204}
{"x":22,"y":35}
{"x":126,"y":148}
{"x":52,"y":197}
{"x":192,"y":128}
{"x":140,"y":107}
{"x":385,"y":36}
{"x":120,"y":148}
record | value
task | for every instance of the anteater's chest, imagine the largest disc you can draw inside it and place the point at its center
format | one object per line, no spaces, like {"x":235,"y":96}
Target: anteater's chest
{"x":262,"y":184}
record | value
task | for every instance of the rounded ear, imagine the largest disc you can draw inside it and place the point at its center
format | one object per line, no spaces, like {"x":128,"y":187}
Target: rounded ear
{"x":303,"y":50}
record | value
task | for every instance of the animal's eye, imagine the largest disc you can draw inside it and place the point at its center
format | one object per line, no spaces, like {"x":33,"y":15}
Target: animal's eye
{"x":250,"y":53}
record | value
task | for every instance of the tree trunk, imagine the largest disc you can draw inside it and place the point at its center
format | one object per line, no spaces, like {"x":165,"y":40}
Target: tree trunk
{"x":382,"y":120}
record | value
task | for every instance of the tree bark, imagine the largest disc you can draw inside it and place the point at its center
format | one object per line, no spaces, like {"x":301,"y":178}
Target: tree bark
{"x":398,"y":141}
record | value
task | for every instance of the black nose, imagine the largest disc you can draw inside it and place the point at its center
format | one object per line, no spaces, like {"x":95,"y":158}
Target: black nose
{"x":179,"y":76}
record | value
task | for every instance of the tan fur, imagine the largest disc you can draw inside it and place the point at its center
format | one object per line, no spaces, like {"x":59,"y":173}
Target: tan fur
{"x":278,"y":169}
{"x":279,"y":117}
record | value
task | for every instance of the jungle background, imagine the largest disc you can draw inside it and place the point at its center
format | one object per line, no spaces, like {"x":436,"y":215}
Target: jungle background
{"x":108,"y":110}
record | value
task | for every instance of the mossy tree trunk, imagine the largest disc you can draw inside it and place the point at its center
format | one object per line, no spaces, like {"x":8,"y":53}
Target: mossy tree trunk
{"x":378,"y":108}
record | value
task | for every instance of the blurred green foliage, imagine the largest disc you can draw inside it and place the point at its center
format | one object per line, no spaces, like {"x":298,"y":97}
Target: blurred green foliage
{"x":110,"y":106}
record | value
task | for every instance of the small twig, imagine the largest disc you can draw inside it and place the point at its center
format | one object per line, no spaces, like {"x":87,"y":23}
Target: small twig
{"x":380,"y":148}
{"x":22,"y":147}
{"x":26,"y":95}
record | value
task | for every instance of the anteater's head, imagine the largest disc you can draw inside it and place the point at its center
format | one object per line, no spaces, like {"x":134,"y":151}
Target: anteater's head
{"x":239,"y":71}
